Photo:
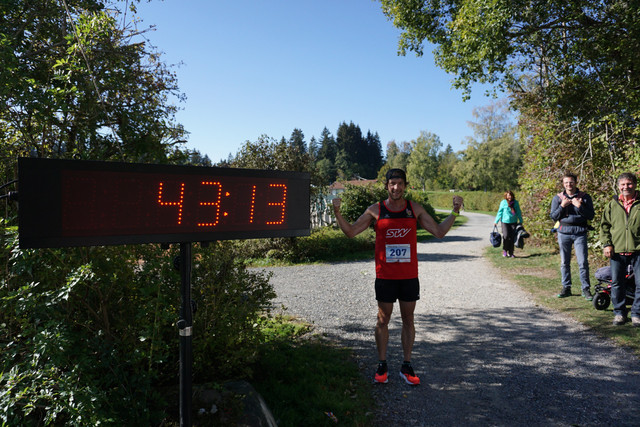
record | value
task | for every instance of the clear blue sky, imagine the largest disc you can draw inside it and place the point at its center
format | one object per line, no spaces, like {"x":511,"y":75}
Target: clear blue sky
{"x":254,"y":67}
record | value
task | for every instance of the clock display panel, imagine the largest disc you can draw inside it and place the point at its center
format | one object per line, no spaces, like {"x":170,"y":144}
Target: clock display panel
{"x":84,"y":203}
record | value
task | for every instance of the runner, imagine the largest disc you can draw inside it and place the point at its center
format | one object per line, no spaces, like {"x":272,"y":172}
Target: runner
{"x":396,"y":260}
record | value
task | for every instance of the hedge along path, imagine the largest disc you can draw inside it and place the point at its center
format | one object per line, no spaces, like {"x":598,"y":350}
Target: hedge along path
{"x":485,"y":353}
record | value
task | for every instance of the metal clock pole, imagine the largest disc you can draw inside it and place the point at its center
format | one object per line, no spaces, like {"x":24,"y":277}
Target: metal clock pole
{"x":184,"y":326}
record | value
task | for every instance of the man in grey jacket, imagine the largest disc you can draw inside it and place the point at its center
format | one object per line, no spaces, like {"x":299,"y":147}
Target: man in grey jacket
{"x":573,"y":209}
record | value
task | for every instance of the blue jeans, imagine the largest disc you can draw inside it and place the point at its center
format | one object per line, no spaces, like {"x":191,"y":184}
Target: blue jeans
{"x":579,"y":241}
{"x":619,"y":265}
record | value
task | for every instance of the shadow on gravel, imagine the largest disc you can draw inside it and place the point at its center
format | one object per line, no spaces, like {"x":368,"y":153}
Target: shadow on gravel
{"x":453,"y":238}
{"x":445,"y":257}
{"x":515,"y":367}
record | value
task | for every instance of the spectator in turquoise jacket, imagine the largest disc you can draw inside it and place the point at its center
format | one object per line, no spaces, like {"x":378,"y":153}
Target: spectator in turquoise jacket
{"x":510,"y":215}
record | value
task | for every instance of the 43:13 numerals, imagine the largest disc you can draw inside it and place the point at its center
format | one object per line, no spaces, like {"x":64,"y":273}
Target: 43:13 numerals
{"x":216,"y":202}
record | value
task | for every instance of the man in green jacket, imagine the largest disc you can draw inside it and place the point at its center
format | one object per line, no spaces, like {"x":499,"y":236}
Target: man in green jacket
{"x":620,"y":235}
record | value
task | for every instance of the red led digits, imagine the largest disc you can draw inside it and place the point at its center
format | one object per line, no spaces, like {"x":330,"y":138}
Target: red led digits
{"x":282,"y":203}
{"x":178,"y":203}
{"x":252,"y":209}
{"x":216,"y":219}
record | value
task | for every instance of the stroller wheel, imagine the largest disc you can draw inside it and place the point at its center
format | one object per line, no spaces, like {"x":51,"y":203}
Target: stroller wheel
{"x":601,"y":301}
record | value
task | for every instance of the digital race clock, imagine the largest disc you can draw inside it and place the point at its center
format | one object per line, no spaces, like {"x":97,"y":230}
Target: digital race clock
{"x":87,"y":203}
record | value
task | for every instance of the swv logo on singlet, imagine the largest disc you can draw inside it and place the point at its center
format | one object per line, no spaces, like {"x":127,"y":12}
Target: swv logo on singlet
{"x":397,"y":232}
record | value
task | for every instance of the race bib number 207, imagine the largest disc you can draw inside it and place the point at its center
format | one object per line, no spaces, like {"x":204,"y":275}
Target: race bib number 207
{"x":398,"y":253}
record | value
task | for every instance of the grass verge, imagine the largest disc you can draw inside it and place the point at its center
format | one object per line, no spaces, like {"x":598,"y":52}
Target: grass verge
{"x":538,"y":272}
{"x":307,"y":380}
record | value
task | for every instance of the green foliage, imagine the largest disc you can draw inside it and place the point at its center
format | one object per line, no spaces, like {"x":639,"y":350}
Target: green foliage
{"x":324,"y":243}
{"x":446,"y":163}
{"x":74,"y":346}
{"x":568,"y":72}
{"x":89,"y":333}
{"x":398,"y":155}
{"x":328,"y":243}
{"x":267,"y":153}
{"x":422,"y":198}
{"x":493,"y":159}
{"x":571,"y":52}
{"x":84,"y":89}
{"x":357,"y":198}
{"x":357,"y":156}
{"x":422,"y":169}
{"x":553,"y":148}
{"x":281,"y":328}
{"x":326,"y":158}
{"x":231,"y":302}
{"x":348,"y":155}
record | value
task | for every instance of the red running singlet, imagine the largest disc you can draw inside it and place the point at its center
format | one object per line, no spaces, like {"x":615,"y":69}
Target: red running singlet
{"x":396,"y":234}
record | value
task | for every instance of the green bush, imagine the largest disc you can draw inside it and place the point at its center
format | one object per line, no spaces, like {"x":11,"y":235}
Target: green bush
{"x":231,"y":301}
{"x":89,"y":335}
{"x":323,"y":243}
{"x":357,"y":198}
{"x":75,"y":337}
{"x":422,"y":198}
{"x":331,"y":243}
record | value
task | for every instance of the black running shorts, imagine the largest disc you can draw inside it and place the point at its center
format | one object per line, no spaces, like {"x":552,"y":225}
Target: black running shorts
{"x":388,"y":290}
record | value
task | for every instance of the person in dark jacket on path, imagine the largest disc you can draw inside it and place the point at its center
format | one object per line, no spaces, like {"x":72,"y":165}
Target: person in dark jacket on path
{"x":620,"y":235}
{"x":573,"y":209}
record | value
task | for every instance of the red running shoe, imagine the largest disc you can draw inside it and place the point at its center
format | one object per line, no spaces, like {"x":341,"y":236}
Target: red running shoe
{"x":381,"y":376}
{"x":407,"y":374}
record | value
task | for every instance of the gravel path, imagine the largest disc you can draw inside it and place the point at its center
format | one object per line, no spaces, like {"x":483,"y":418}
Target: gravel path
{"x":485,"y":353}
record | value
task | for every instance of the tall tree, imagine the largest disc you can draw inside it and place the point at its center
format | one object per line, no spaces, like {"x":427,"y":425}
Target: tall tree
{"x":447,"y":161}
{"x":493,"y":158}
{"x":296,"y":141}
{"x":352,"y":149}
{"x":76,"y":83}
{"x":267,"y":153}
{"x":326,"y":160}
{"x":422,"y":169}
{"x":569,"y":51}
{"x":313,"y":148}
{"x":570,"y":68}
{"x":373,"y":160}
{"x":398,"y":155}
{"x":328,"y":146}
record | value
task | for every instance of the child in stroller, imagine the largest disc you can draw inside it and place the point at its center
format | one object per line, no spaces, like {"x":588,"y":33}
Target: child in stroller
{"x":602,"y":297}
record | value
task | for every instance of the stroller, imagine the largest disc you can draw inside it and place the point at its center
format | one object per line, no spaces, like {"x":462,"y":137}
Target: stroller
{"x":602,"y":297}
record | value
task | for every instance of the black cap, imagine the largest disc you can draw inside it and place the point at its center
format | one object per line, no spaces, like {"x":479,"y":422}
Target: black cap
{"x":396,"y":173}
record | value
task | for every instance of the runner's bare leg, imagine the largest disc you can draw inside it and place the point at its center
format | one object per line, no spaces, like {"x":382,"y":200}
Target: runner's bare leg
{"x":408,"y":328}
{"x":382,"y":328}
